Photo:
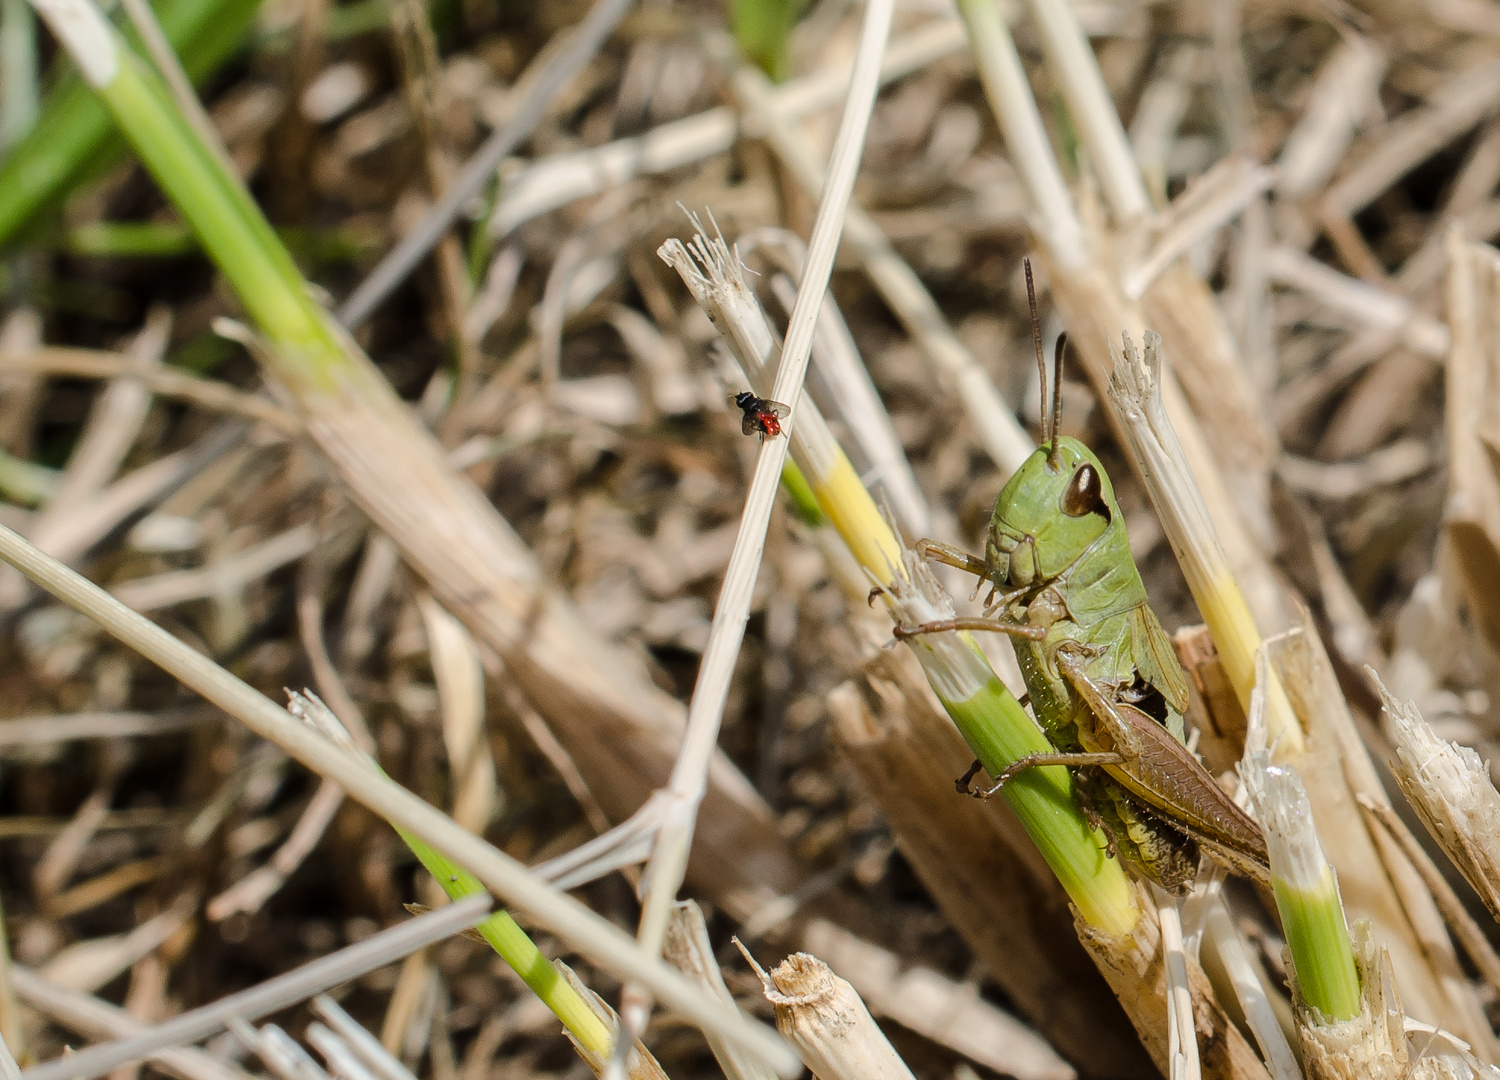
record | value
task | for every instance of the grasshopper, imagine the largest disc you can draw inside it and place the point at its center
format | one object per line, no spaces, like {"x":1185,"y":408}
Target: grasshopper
{"x":1101,"y":675}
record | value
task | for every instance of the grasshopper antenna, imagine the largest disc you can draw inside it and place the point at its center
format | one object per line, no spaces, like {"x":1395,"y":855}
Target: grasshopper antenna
{"x":1056,"y":421}
{"x":1036,"y":341}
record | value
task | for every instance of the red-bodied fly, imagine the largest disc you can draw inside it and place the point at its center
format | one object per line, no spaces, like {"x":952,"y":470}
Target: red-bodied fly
{"x":761,"y":415}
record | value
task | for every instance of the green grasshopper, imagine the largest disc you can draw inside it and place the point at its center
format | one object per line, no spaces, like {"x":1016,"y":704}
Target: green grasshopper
{"x":1101,"y":674}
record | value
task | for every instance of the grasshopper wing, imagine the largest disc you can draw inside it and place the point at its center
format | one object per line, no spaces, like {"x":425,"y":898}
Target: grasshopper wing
{"x":1155,"y":658}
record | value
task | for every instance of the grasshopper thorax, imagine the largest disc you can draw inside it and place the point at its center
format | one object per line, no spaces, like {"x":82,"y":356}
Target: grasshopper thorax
{"x":1055,"y":507}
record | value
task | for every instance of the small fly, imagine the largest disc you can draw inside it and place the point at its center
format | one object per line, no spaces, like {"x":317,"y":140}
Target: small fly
{"x":761,"y":415}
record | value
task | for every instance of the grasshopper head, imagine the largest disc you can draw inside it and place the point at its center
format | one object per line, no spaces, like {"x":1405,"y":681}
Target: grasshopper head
{"x":1055,"y":506}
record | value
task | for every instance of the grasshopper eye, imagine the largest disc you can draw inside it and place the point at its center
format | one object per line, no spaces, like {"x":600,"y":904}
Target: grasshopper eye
{"x":1085,"y":494}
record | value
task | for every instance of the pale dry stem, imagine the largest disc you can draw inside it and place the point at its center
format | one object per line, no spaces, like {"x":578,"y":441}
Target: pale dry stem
{"x":1134,"y":968}
{"x":542,"y":905}
{"x":689,"y":779}
{"x":826,"y":1021}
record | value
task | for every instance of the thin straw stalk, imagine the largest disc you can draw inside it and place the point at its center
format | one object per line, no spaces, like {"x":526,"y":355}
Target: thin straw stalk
{"x":667,"y":865}
{"x":94,"y":1018}
{"x":850,"y":393}
{"x":554,"y":181}
{"x":1092,"y":109}
{"x":1225,"y":944}
{"x":270,"y":996}
{"x":1182,"y":1039}
{"x":1030,"y":151}
{"x":541,"y":904}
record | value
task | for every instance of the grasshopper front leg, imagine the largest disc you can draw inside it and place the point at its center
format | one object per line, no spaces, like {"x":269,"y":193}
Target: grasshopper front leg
{"x":999,"y":626}
{"x":959,"y":559}
{"x":949,"y":555}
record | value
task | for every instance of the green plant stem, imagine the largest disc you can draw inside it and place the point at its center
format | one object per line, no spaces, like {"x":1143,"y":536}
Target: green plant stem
{"x":761,"y":27}
{"x":804,"y":501}
{"x":228,"y":223}
{"x":26,"y":482}
{"x":73,"y":139}
{"x":1000,"y":732}
{"x":1318,"y":939}
{"x":1307,"y":893}
{"x":517,"y":949}
{"x":232,"y":229}
{"x":168,"y":240}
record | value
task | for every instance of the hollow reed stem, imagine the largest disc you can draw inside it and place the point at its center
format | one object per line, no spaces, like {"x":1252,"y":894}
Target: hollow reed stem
{"x":1307,"y":893}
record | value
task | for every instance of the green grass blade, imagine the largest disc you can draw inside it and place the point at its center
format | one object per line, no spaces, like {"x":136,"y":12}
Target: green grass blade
{"x":74,"y":140}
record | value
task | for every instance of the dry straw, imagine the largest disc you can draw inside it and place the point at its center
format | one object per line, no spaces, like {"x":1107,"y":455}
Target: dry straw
{"x":597,"y":701}
{"x":1450,"y":789}
{"x":827,"y":1022}
{"x":1136,"y":390}
{"x":521,"y":890}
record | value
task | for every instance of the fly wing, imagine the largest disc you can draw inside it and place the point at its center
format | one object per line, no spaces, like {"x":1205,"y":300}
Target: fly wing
{"x":1155,"y":658}
{"x":749,"y":424}
{"x":776,"y":409}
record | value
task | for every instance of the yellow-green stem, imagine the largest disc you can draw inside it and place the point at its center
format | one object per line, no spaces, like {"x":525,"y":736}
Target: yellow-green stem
{"x":999,"y":732}
{"x":517,"y":949}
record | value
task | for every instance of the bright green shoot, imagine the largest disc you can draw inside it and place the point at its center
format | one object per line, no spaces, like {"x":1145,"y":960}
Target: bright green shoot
{"x":762,"y":27}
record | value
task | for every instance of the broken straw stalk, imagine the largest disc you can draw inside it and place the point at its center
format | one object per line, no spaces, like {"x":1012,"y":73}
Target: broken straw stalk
{"x":1307,"y":894}
{"x":829,"y":1025}
{"x":1382,"y":894}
